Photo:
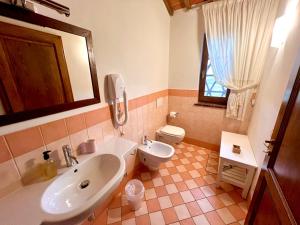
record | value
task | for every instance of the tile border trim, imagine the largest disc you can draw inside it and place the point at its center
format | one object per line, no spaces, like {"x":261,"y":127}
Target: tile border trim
{"x":183,"y":92}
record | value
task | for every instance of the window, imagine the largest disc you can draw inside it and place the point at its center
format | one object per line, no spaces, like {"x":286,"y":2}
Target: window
{"x":210,"y":92}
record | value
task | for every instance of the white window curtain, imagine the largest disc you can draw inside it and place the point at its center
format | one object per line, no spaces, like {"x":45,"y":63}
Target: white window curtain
{"x":238,"y":37}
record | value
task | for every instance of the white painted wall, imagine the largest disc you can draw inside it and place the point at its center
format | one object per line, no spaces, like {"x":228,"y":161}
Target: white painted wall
{"x":186,"y":40}
{"x":280,"y":65}
{"x":129,"y":37}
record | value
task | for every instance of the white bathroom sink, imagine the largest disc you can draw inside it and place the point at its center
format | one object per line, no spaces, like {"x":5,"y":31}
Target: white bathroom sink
{"x":75,"y":194}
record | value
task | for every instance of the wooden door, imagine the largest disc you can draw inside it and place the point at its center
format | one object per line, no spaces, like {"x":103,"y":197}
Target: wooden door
{"x":277,"y":194}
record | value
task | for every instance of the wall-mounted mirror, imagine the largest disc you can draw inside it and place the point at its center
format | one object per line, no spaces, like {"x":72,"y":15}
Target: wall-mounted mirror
{"x":46,"y":66}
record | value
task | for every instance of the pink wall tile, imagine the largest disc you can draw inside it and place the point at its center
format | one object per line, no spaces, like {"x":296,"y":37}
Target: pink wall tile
{"x":54,"y":130}
{"x":140,"y":119}
{"x":10,"y":178}
{"x":27,"y":145}
{"x":132,"y":104}
{"x":201,"y":123}
{"x":156,"y":95}
{"x":97,"y":116}
{"x":4,"y":152}
{"x":131,"y":127}
{"x":56,"y":150}
{"x":146,"y":121}
{"x":24,"y":141}
{"x":183,"y":93}
{"x":108,"y":130}
{"x":95,"y":132}
{"x":28,"y":165}
{"x":77,"y":139}
{"x":141,"y":101}
{"x":75,"y":123}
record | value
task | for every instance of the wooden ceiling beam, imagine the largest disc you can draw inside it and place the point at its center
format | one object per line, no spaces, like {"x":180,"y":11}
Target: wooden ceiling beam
{"x":169,"y":8}
{"x":187,"y":4}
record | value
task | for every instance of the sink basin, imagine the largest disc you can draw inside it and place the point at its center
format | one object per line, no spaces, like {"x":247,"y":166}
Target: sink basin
{"x":75,"y":194}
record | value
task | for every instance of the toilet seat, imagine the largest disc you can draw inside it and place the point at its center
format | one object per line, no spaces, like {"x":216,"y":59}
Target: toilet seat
{"x":172,"y":131}
{"x":170,"y":134}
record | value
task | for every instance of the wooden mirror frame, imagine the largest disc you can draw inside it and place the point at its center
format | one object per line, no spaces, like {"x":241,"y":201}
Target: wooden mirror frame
{"x":24,"y":15}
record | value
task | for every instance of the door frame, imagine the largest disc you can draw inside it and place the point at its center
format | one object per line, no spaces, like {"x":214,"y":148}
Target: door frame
{"x":267,"y":176}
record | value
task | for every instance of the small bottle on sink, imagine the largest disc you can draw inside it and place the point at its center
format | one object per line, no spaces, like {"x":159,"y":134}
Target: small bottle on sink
{"x":50,"y":168}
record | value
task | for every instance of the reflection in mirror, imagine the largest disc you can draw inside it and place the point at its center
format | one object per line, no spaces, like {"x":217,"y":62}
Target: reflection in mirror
{"x":41,"y":67}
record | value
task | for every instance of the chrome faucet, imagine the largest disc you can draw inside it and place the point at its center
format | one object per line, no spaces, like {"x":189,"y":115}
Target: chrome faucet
{"x":70,"y":159}
{"x":146,"y":140}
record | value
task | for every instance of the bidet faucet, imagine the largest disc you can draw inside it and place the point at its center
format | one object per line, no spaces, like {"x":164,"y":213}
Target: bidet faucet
{"x":70,"y":159}
{"x":146,"y":140}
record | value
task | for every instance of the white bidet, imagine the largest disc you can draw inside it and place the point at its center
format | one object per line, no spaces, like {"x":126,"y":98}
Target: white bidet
{"x":154,"y":153}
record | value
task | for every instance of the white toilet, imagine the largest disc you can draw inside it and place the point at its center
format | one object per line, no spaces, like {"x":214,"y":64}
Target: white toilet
{"x":153,"y":153}
{"x":170,"y":134}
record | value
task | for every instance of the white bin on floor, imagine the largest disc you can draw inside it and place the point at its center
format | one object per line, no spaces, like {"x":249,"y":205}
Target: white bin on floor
{"x":135,"y":190}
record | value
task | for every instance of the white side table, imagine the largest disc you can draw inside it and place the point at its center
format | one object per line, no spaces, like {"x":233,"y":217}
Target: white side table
{"x":236,"y":169}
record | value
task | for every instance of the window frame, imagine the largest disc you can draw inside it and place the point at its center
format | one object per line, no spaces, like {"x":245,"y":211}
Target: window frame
{"x":208,"y":100}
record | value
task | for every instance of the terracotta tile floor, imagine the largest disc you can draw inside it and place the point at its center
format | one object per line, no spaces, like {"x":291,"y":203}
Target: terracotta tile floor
{"x":182,"y":192}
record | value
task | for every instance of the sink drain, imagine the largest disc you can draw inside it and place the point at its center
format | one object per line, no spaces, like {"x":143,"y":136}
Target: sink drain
{"x":84,"y":184}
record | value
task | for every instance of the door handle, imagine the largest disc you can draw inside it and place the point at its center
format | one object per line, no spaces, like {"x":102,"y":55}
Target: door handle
{"x":270,"y":142}
{"x":269,"y":145}
{"x":267,"y":151}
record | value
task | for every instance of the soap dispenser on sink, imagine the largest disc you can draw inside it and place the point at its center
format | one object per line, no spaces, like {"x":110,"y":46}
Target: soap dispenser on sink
{"x":49,"y":166}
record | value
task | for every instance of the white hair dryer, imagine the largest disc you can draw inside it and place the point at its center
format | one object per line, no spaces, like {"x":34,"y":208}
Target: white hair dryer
{"x":117,"y":94}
